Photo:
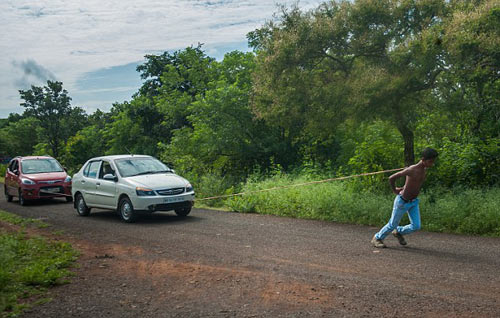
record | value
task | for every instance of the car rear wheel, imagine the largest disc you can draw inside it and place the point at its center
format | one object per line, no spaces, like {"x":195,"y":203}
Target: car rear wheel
{"x":22,"y":200}
{"x":81,"y":207}
{"x":7,"y":195}
{"x":126,"y":210}
{"x":182,"y":211}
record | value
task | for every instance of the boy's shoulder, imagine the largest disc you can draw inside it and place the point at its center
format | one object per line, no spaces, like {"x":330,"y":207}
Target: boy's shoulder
{"x":416,"y":168}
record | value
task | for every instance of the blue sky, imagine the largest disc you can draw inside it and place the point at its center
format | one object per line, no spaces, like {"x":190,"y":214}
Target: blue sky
{"x":94,"y":46}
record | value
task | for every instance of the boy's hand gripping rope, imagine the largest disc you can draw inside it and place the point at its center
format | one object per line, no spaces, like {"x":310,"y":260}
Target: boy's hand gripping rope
{"x":298,"y":184}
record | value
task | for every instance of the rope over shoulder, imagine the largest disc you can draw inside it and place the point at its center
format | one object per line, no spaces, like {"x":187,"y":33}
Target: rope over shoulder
{"x":299,"y":184}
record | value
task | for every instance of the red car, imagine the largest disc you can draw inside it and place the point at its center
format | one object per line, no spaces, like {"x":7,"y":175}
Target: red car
{"x":36,"y":177}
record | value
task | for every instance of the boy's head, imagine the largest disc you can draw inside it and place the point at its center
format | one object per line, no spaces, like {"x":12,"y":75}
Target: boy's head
{"x":429,"y":155}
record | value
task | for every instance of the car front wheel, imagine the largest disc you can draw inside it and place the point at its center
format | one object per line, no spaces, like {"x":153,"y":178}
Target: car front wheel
{"x":22,"y":200}
{"x":182,"y":212}
{"x":81,"y":207}
{"x":126,"y":210}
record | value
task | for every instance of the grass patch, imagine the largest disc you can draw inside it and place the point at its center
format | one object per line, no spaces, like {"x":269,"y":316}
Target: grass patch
{"x":2,"y":179}
{"x":28,"y":266}
{"x":17,"y":220}
{"x":463,"y":211}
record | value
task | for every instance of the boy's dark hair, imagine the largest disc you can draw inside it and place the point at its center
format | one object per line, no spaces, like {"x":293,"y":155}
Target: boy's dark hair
{"x":429,"y":153}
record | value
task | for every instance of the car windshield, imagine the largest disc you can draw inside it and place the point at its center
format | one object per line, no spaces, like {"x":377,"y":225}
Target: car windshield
{"x":31,"y":166}
{"x":138,"y":166}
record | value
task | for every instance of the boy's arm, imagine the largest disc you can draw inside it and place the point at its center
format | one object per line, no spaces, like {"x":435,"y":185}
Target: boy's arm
{"x":392,"y":180}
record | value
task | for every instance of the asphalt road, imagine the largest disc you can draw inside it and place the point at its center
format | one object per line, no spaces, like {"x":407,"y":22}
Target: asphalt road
{"x":221,"y":264}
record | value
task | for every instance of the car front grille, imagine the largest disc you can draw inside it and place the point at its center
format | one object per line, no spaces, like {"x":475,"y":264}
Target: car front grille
{"x":49,"y":191}
{"x":172,"y":191}
{"x":50,"y":182}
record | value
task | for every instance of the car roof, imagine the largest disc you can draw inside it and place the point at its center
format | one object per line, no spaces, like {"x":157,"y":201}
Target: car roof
{"x":34,"y":157}
{"x":114,"y":157}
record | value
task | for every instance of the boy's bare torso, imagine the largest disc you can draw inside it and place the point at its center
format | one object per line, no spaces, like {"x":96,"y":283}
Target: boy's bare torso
{"x":415,"y":177}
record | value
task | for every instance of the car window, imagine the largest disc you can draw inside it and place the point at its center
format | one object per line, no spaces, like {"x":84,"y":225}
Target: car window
{"x":86,"y":170}
{"x":105,"y":169}
{"x":140,"y":165}
{"x":92,"y":169}
{"x":31,"y":166}
{"x":13,"y":166}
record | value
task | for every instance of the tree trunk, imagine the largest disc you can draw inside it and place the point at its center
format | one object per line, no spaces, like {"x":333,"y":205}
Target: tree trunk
{"x":408,"y":138}
{"x":409,"y":149}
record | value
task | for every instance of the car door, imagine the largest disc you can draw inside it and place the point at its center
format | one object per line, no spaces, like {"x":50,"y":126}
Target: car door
{"x":11,"y":177}
{"x":105,"y":193}
{"x":89,"y":180}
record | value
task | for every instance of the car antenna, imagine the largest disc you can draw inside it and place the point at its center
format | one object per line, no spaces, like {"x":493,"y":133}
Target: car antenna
{"x":129,"y":152}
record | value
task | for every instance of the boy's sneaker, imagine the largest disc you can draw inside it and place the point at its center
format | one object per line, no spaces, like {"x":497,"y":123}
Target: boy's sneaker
{"x":377,"y":243}
{"x":400,"y":237}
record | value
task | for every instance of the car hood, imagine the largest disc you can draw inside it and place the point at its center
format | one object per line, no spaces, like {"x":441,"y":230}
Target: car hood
{"x":158,"y":181}
{"x":49,"y":176}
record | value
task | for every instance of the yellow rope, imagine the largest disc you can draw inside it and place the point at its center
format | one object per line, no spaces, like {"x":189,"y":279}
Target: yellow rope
{"x":299,"y":184}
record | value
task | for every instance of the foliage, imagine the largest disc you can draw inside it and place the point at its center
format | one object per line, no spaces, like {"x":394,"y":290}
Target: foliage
{"x":472,"y":86}
{"x":223,"y":136}
{"x":17,"y":220}
{"x":453,"y":211}
{"x":366,"y":59}
{"x":473,"y":162}
{"x":19,"y":137}
{"x":29,"y":265}
{"x":51,"y":106}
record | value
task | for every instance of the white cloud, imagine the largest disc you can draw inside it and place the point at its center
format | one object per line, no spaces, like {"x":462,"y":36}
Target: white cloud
{"x":69,"y":38}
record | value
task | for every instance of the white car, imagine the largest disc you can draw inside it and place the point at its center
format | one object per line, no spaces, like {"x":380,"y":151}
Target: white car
{"x":130,"y":184}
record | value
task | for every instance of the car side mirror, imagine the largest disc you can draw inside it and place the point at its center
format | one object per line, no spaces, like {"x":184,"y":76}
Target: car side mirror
{"x":16,"y":172}
{"x":110,"y":177}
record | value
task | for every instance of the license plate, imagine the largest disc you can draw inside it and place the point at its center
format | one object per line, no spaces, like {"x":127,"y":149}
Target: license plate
{"x":171,"y":200}
{"x":52,"y":190}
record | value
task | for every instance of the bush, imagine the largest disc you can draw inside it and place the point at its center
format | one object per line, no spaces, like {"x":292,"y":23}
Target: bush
{"x":473,"y":163}
{"x":3,"y":168}
{"x":466,"y":211}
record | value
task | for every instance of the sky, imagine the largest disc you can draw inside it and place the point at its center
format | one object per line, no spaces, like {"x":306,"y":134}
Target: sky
{"x":94,"y":46}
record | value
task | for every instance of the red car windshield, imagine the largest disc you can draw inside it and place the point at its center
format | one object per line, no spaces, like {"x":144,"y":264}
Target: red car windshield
{"x":31,"y":166}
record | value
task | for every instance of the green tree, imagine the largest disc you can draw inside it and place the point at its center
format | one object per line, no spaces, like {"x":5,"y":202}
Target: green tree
{"x":224,"y":137}
{"x":471,"y":86}
{"x":51,"y":106}
{"x":19,"y":137}
{"x":367,"y":59}
{"x":133,"y":128}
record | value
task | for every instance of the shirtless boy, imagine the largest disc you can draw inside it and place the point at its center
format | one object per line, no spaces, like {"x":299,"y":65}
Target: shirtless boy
{"x":406,"y":200}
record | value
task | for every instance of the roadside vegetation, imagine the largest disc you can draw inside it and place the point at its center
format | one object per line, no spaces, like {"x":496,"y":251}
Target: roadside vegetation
{"x":345,"y":88}
{"x":456,"y":210}
{"x":28,"y":264}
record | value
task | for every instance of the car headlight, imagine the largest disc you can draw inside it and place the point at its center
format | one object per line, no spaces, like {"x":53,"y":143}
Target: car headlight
{"x":68,"y":179}
{"x":27,"y":181}
{"x":189,"y":187}
{"x":144,"y":191}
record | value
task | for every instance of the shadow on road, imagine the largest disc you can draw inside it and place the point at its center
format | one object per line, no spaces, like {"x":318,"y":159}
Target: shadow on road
{"x":45,"y":202}
{"x":444,"y":254}
{"x":158,"y":218}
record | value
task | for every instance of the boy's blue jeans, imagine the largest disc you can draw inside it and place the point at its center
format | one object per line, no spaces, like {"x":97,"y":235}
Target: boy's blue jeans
{"x":399,"y":209}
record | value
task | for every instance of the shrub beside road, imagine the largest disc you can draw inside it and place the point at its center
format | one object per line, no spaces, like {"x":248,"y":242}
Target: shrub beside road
{"x":456,"y":210}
